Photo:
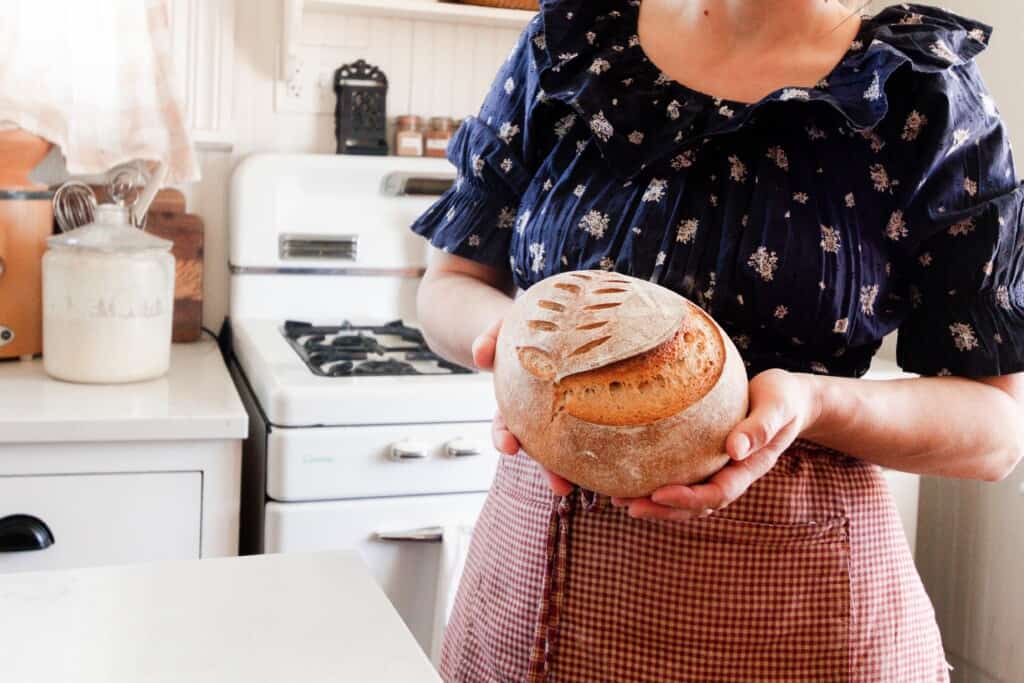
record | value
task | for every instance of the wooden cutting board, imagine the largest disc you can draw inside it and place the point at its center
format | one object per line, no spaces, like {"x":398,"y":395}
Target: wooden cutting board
{"x":167,"y":219}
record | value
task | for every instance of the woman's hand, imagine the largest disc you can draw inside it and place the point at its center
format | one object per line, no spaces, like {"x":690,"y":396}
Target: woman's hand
{"x":782,"y":406}
{"x":504,"y":441}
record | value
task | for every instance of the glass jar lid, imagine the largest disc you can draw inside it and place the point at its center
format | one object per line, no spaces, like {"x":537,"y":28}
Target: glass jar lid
{"x":442,"y":124}
{"x":409,"y":122}
{"x":110,"y":233}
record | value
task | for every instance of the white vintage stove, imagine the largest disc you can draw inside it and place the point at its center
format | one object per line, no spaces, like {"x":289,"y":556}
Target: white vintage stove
{"x":360,"y":436}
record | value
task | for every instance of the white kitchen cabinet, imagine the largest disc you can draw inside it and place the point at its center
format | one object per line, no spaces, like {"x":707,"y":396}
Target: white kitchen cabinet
{"x":126,"y":473}
{"x":98,"y":519}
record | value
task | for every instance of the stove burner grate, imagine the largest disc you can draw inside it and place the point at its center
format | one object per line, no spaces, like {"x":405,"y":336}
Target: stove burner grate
{"x":383,"y":350}
{"x":385,"y":367}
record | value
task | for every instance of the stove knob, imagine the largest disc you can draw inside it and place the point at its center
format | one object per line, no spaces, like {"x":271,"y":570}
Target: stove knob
{"x":6,"y":335}
{"x":407,"y":449}
{"x":462,"y":448}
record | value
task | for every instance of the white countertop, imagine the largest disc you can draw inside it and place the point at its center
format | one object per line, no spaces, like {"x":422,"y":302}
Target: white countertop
{"x":264,"y":619}
{"x":196,"y":399}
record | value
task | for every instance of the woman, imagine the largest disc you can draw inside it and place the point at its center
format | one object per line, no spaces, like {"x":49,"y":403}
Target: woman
{"x":815,"y":181}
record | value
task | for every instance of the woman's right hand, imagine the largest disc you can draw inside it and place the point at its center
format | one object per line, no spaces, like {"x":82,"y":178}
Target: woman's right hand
{"x":504,"y":441}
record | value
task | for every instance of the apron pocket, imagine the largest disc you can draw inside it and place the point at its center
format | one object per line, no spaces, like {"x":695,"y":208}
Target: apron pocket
{"x":716,"y":599}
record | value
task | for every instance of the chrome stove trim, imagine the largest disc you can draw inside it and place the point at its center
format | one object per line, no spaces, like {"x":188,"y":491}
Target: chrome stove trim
{"x":361,"y":272}
{"x":308,"y":246}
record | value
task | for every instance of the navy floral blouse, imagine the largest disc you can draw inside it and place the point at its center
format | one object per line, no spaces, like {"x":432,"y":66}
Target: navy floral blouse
{"x":809,"y":224}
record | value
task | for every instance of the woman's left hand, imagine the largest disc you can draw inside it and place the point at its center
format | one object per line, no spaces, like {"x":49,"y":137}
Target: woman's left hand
{"x":783,"y":405}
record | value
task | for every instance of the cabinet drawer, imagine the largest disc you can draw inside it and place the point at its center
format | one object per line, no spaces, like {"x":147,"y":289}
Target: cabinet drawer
{"x":99,"y":519}
{"x":309,"y":464}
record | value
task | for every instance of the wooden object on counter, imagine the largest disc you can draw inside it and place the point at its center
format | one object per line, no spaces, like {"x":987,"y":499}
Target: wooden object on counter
{"x":168,"y":201}
{"x":167,"y":219}
{"x":26,"y":221}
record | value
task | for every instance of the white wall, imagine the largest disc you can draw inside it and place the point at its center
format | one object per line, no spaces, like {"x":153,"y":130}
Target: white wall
{"x":970,"y":546}
{"x":434,"y":69}
{"x":1001,"y":63}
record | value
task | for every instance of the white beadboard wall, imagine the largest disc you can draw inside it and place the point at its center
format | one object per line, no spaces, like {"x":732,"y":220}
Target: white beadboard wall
{"x":434,"y":68}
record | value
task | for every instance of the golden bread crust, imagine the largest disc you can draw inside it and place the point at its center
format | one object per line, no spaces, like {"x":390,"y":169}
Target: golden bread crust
{"x":657,"y":388}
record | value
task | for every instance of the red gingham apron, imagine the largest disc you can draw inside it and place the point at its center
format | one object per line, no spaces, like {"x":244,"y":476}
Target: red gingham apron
{"x":807,"y":577}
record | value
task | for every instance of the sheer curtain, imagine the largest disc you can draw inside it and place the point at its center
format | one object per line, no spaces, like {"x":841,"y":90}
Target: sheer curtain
{"x":94,"y":78}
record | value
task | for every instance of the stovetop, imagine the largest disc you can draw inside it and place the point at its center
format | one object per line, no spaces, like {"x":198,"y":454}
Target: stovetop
{"x":348,"y":350}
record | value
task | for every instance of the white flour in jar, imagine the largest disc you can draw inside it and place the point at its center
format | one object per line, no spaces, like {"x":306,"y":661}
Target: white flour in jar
{"x":107,"y":317}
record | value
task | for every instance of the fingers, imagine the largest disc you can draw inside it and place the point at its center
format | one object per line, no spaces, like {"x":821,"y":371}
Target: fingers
{"x":720,"y":491}
{"x":559,"y":485}
{"x":484,"y":347}
{"x":780,"y":406}
{"x":679,"y":497}
{"x":783,"y":439}
{"x":504,"y":441}
{"x":645,"y":508}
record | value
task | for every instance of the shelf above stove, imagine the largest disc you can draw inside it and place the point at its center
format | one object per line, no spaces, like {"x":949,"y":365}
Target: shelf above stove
{"x":428,"y":10}
{"x":423,"y":10}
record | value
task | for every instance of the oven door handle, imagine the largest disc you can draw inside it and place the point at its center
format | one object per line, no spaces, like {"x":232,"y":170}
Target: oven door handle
{"x":462,"y":448}
{"x":430,"y":534}
{"x":407,"y":450}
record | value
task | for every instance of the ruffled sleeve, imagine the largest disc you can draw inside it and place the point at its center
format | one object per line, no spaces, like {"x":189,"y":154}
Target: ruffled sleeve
{"x":493,"y":154}
{"x":962,"y":227}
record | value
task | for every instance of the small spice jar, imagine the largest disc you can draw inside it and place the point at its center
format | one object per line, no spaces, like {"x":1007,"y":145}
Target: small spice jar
{"x":439,"y":135}
{"x":409,"y":136}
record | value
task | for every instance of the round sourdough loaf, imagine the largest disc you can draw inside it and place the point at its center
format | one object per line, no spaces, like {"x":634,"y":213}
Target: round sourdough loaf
{"x":617,"y":384}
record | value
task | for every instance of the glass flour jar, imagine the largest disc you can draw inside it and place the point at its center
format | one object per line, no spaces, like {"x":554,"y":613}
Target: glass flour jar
{"x":108,"y":301}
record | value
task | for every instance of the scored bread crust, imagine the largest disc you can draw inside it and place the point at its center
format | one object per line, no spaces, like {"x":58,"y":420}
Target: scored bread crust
{"x":650,"y":386}
{"x":653,"y":402}
{"x":584,"y":320}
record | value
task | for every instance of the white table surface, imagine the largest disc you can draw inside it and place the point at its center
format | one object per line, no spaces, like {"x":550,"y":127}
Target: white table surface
{"x":307,"y":618}
{"x":196,"y":399}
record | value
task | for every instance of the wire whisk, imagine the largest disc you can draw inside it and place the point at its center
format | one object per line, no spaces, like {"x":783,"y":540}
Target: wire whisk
{"x":74,"y":205}
{"x":128,"y":185}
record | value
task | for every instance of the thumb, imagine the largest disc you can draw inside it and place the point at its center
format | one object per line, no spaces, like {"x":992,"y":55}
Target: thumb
{"x":484,"y":346}
{"x":765,"y":420}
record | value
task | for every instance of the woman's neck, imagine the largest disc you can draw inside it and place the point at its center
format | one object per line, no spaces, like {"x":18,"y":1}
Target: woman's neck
{"x":766,"y":17}
{"x":747,"y":46}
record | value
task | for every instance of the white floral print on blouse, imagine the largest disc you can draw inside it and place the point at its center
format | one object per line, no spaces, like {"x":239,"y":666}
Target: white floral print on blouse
{"x":810,"y":223}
